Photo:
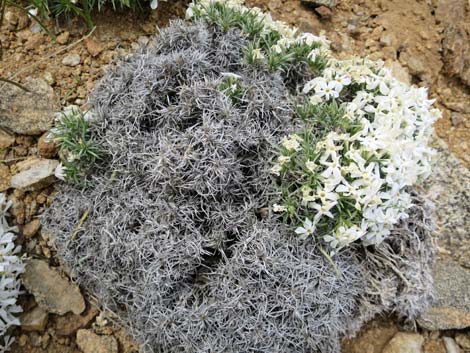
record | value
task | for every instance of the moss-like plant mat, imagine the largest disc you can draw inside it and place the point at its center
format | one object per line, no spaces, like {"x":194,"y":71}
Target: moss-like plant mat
{"x":182,"y":226}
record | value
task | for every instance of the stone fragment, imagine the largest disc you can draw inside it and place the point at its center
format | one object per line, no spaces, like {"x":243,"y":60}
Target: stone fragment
{"x":451,"y":345}
{"x":34,"y":320}
{"x":6,"y":140}
{"x":63,"y":38}
{"x":324,"y":12}
{"x":463,"y":340}
{"x":93,"y":47}
{"x":434,"y":346}
{"x":398,"y":71}
{"x":28,"y":113}
{"x":69,"y":323}
{"x":30,"y":229}
{"x":51,"y":291}
{"x":456,"y":45}
{"x":405,"y":343}
{"x":34,"y":174}
{"x":5,"y":177}
{"x":372,"y":339}
{"x":71,"y":60}
{"x":327,"y":3}
{"x":89,"y":342}
{"x":458,"y":119}
{"x":46,"y":149}
{"x":451,"y":309}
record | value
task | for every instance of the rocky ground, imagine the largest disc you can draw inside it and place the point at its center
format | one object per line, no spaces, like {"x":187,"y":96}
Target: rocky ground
{"x":424,"y":42}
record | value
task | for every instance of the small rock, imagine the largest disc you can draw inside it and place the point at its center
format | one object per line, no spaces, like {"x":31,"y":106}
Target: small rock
{"x":398,"y":71}
{"x":11,"y":18}
{"x":34,"y":174}
{"x":93,"y":47}
{"x":49,"y":78}
{"x":69,"y":323}
{"x":51,"y":291}
{"x":89,"y":342}
{"x":372,"y":339}
{"x":34,"y":320}
{"x":327,"y":3}
{"x":451,"y":346}
{"x":463,"y":340}
{"x":46,"y":149}
{"x":405,"y":343}
{"x":71,"y":60}
{"x":36,"y":28}
{"x":28,"y":113}
{"x":324,"y":12}
{"x":30,"y":229}
{"x":457,"y":119}
{"x":456,"y":48}
{"x":387,"y":39}
{"x":6,"y":140}
{"x":451,"y":309}
{"x":5,"y":177}
{"x":434,"y":346}
{"x":63,"y":38}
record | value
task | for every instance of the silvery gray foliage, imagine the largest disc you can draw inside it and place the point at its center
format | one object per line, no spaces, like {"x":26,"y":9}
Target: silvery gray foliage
{"x":11,"y":267}
{"x":177,"y":242}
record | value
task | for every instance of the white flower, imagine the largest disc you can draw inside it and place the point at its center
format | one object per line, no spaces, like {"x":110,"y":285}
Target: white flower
{"x":327,"y":90}
{"x":283,"y":160}
{"x":257,"y":54}
{"x":230,"y":75}
{"x":279,"y":208}
{"x":291,"y":143}
{"x":59,"y":172}
{"x":33,"y":12}
{"x":276,"y":169}
{"x":154,"y":4}
{"x":307,"y":229}
{"x":323,"y":209}
{"x":311,"y":166}
{"x":315,"y":100}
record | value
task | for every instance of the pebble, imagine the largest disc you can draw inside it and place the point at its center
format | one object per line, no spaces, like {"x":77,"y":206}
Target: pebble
{"x":324,"y":12}
{"x":34,"y":320}
{"x":63,"y":38}
{"x":6,"y":140}
{"x":30,"y":229}
{"x":463,"y":340}
{"x":52,"y":292}
{"x":46,"y":149}
{"x":71,"y":60}
{"x":5,"y":177}
{"x":405,"y":343}
{"x":89,"y":342}
{"x":34,"y":174}
{"x":451,"y":345}
{"x":93,"y":47}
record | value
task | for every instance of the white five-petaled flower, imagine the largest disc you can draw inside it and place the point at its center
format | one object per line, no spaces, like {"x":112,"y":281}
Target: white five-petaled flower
{"x":323,"y":209}
{"x":59,"y":171}
{"x":307,"y":229}
{"x":279,"y":208}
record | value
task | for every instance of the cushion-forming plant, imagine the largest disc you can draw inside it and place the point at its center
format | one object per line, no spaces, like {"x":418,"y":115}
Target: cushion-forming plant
{"x":11,"y":267}
{"x":174,"y":231}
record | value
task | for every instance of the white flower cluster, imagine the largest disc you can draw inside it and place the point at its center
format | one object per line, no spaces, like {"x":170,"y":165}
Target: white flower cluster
{"x":371,"y":165}
{"x":10,"y":268}
{"x":289,"y":35}
{"x":361,"y":174}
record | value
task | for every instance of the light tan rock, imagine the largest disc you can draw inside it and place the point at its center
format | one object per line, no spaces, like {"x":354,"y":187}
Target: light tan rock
{"x":405,"y":343}
{"x":34,"y":320}
{"x":34,"y":174}
{"x":51,"y":291}
{"x":90,"y":342}
{"x":28,"y":113}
